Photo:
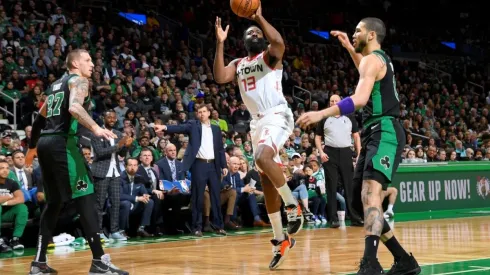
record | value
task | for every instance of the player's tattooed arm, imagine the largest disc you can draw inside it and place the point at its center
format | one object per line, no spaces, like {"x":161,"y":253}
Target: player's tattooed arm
{"x":78,"y":91}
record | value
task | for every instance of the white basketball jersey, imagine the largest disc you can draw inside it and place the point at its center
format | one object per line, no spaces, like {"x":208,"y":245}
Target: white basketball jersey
{"x":260,"y":86}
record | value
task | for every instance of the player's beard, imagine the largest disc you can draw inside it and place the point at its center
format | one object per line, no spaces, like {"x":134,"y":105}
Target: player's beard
{"x":255,"y":47}
{"x":361,"y":44}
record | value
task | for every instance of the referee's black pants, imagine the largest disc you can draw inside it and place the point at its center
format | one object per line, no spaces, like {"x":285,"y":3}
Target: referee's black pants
{"x":339,"y":164}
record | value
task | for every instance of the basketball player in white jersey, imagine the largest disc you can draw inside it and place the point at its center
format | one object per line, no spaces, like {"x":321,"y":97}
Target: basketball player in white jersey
{"x":259,"y":77}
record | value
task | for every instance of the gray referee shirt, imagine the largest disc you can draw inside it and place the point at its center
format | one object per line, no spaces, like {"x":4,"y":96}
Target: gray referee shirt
{"x":337,"y":131}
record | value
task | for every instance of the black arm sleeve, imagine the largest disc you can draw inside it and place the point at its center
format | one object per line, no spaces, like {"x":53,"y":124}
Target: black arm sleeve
{"x":37,"y":126}
{"x":319,"y":128}
{"x":355,"y":127}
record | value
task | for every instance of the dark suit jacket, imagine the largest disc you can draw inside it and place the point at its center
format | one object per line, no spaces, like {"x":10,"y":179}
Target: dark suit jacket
{"x":146,"y":180}
{"x":193,"y":128}
{"x":28,"y":176}
{"x":128,"y":192}
{"x":234,"y":181}
{"x":166,"y":172}
{"x":103,"y":153}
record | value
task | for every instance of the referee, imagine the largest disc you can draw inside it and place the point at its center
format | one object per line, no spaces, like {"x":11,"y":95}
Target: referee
{"x":336,"y":157}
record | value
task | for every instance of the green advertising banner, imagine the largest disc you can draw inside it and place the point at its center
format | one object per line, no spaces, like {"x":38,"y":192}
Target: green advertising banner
{"x":442,"y":186}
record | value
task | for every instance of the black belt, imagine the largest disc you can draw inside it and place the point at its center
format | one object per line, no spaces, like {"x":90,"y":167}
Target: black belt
{"x":205,"y":160}
{"x":330,"y":147}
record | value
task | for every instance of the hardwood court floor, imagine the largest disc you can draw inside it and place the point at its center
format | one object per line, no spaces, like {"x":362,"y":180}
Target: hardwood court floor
{"x":443,"y":247}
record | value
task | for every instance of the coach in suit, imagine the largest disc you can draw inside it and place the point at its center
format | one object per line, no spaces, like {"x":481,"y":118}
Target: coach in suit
{"x":106,"y":172}
{"x":170,"y":169}
{"x":205,"y":158}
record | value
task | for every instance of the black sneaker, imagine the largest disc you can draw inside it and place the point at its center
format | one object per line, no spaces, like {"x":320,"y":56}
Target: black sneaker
{"x":38,"y":268}
{"x":295,"y":218}
{"x":370,"y":267}
{"x":15,"y":244}
{"x":280,"y":251}
{"x":104,"y":266}
{"x":334,"y":224}
{"x":4,"y":248}
{"x":407,"y":265}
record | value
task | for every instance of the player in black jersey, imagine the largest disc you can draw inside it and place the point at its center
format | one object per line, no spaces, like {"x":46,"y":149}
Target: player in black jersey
{"x":382,"y":141}
{"x":64,"y":172}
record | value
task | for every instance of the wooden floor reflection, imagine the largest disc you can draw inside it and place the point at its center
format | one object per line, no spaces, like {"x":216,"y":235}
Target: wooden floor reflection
{"x":321,"y":251}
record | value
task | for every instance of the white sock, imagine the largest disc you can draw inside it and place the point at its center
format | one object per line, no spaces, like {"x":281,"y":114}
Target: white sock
{"x":390,"y":207}
{"x":276,"y":222}
{"x":287,"y":195}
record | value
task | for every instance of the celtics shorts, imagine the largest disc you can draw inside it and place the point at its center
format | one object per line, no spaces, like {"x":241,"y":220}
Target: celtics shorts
{"x":382,"y":146}
{"x":64,"y":170}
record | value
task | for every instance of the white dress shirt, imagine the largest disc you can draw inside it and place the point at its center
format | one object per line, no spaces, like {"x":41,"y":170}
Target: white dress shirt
{"x":113,"y":166}
{"x":151,"y":175}
{"x":206,"y":151}
{"x":24,"y":177}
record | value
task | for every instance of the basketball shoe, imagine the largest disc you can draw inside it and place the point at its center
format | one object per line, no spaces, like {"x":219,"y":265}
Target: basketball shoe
{"x":370,"y":267}
{"x":295,"y":218}
{"x":280,"y":250}
{"x":407,"y":265}
{"x":38,"y":268}
{"x":104,"y":266}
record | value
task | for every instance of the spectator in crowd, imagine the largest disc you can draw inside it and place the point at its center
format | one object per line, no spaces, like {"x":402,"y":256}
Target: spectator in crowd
{"x":106,"y":173}
{"x":12,"y":209}
{"x":245,"y":193}
{"x":150,"y":179}
{"x":134,"y":199}
{"x":171,"y":170}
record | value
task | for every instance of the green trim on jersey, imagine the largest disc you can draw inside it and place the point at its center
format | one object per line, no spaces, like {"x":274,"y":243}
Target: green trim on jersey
{"x":80,"y":182}
{"x":376,"y":97}
{"x":384,"y":159}
{"x":73,"y":127}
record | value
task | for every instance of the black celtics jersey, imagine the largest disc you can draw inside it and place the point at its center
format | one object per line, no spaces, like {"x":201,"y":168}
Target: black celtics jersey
{"x":58,"y":118}
{"x":383,"y":101}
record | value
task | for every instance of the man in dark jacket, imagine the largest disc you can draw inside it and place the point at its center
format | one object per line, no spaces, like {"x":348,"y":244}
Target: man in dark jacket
{"x":134,"y":198}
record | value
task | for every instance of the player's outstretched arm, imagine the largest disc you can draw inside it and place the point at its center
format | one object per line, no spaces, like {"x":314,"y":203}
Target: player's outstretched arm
{"x":344,"y":40}
{"x":276,"y":48}
{"x":368,"y":70}
{"x":222,"y":74}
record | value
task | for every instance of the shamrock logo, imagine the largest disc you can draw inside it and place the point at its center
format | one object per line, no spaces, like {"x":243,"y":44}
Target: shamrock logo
{"x":81,"y":185}
{"x":385,"y":161}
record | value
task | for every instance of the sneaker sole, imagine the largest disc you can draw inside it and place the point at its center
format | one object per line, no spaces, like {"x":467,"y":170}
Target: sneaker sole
{"x":41,"y":273}
{"x":283,"y":257}
{"x":299,"y":228}
{"x":414,"y":271}
{"x":106,"y":273}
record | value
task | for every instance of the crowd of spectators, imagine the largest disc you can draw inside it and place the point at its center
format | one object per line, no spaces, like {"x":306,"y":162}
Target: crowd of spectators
{"x":149,"y":74}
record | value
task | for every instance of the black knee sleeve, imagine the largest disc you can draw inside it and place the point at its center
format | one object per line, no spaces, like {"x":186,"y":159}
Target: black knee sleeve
{"x":386,"y":227}
{"x":86,"y":207}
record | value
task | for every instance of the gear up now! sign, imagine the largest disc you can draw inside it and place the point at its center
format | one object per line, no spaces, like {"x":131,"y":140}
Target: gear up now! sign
{"x":442,"y":186}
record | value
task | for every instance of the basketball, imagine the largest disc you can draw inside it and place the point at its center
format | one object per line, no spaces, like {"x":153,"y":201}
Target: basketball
{"x":244,"y":8}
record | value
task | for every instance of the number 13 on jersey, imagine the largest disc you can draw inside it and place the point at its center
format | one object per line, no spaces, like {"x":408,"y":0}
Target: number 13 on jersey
{"x":249,"y":84}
